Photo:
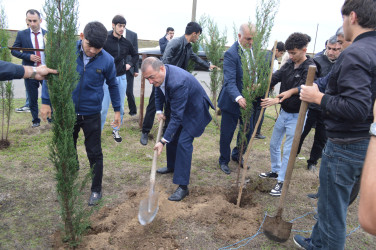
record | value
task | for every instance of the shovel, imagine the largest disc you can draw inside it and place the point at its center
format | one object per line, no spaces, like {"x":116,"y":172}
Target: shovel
{"x":274,"y":227}
{"x":149,"y":206}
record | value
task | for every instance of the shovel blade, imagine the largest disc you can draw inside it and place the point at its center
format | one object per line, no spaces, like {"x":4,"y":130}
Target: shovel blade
{"x":277,"y":229}
{"x":148,"y":209}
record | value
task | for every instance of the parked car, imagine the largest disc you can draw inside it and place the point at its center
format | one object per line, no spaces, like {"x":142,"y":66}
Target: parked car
{"x":155,"y":51}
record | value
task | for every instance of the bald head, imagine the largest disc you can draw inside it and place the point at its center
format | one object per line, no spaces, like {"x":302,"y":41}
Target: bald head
{"x":246,"y":34}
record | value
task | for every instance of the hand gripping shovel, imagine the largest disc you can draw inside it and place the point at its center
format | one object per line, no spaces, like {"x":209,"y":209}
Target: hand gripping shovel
{"x":149,"y":206}
{"x":274,"y":227}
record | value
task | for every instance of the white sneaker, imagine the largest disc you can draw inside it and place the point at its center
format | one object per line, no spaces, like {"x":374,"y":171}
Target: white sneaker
{"x":116,"y":136}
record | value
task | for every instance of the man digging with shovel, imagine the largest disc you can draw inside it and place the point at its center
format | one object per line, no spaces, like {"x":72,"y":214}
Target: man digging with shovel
{"x":189,"y":106}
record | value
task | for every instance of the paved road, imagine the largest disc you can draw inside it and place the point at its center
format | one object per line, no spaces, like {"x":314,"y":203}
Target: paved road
{"x":19,"y":86}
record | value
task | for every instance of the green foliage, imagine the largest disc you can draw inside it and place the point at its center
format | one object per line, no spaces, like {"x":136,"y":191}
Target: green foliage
{"x":6,"y":88}
{"x":256,"y":66}
{"x":61,"y":19}
{"x":215,"y":46}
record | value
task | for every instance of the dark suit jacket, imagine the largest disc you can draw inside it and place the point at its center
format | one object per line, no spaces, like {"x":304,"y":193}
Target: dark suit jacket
{"x":233,"y":80}
{"x":23,"y":40}
{"x":188,"y":101}
{"x":132,"y":37}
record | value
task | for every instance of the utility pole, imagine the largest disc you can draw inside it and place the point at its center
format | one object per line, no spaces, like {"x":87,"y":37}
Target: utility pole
{"x":194,"y":10}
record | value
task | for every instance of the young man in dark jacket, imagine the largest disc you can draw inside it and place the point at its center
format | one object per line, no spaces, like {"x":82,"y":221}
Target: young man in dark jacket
{"x":167,"y":37}
{"x":347,"y":108}
{"x":96,"y":67}
{"x":119,"y":48}
{"x":292,"y":75}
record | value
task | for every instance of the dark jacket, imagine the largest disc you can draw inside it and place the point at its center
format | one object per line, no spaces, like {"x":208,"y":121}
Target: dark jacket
{"x":132,"y":37}
{"x":323,"y":65}
{"x":188,"y":101}
{"x":23,"y":40}
{"x":119,"y":49}
{"x":10,"y":71}
{"x":232,"y":80}
{"x":291,"y":78}
{"x":179,"y":51}
{"x":88,"y":95}
{"x":350,"y":93}
{"x":162,"y":44}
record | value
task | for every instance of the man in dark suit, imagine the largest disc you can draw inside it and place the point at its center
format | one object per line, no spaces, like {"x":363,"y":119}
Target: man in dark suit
{"x":132,"y":72}
{"x":230,"y":99}
{"x":166,"y":38}
{"x":31,"y":38}
{"x":189,"y":107}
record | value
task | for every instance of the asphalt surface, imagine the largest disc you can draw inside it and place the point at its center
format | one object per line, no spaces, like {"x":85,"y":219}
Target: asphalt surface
{"x":19,"y":86}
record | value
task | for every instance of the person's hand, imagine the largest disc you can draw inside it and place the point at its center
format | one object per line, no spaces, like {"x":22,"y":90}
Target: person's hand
{"x":43,"y":71}
{"x":34,"y":58}
{"x":211,"y":67}
{"x":161,"y":116}
{"x":135,"y":74}
{"x":168,"y":37}
{"x":267,"y":102}
{"x":127,"y":66}
{"x":285,"y":95}
{"x":159,"y":147}
{"x":116,"y":122}
{"x":242,"y":102}
{"x":311,"y":94}
{"x":45,"y":111}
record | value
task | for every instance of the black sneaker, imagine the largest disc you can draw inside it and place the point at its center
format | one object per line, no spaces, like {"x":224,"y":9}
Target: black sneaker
{"x":260,"y":136}
{"x":311,"y":167}
{"x":94,"y":198}
{"x":277,"y":190}
{"x":116,"y":136}
{"x":270,"y":175}
{"x":302,"y":242}
{"x":313,"y":196}
{"x":23,"y":109}
{"x":35,"y":124}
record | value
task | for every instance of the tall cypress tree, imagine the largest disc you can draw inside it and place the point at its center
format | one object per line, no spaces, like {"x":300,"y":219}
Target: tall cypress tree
{"x":61,"y":18}
{"x":256,"y":68}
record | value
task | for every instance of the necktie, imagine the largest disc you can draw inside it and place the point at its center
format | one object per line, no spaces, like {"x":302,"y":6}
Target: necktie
{"x":37,"y":46}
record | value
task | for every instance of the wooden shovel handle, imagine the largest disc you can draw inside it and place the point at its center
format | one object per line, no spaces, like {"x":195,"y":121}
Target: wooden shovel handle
{"x":295,"y":143}
{"x":154,"y":165}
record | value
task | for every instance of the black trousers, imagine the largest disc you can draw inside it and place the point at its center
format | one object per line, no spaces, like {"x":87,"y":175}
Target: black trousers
{"x":91,"y":126}
{"x":32,"y":86}
{"x":129,"y":93}
{"x":257,"y":111}
{"x":314,"y":117}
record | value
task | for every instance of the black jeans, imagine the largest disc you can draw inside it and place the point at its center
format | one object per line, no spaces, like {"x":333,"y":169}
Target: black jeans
{"x":314,"y":116}
{"x":32,"y":86}
{"x":129,"y":93}
{"x":256,"y":113}
{"x":91,"y":126}
{"x":150,"y":113}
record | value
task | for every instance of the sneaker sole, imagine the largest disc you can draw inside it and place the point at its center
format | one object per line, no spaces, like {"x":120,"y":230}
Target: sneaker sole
{"x":267,"y":177}
{"x":296,"y":243}
{"x":273,"y":194}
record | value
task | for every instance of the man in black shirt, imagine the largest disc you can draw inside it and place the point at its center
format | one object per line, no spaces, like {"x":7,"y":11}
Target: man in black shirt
{"x":119,"y":48}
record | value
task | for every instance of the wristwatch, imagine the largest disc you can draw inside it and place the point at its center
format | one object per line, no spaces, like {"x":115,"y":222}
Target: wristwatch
{"x":34,"y":73}
{"x":372,"y":129}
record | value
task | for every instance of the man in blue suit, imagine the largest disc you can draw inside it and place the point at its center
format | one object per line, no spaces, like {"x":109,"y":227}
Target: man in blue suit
{"x":230,"y":99}
{"x":31,"y":38}
{"x":189,"y":105}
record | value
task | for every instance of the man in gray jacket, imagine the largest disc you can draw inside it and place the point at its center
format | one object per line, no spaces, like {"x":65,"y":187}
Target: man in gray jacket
{"x":178,"y":52}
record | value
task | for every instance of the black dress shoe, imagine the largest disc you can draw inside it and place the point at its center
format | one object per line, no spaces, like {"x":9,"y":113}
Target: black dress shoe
{"x":225,"y":168}
{"x":260,"y":136}
{"x":179,"y":194}
{"x":144,"y":138}
{"x":165,"y":170}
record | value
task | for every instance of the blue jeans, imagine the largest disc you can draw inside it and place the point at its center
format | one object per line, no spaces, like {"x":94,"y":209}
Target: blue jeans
{"x":340,"y":169}
{"x":122,"y":81}
{"x":285,"y":124}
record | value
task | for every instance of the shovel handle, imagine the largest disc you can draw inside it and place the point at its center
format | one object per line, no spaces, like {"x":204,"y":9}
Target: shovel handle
{"x":295,"y":143}
{"x":154,"y":165}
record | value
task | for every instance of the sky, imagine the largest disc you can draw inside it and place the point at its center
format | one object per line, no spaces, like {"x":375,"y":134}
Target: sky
{"x":150,"y":18}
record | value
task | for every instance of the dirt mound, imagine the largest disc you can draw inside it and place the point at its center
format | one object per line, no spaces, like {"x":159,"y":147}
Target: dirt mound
{"x":177,"y":224}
